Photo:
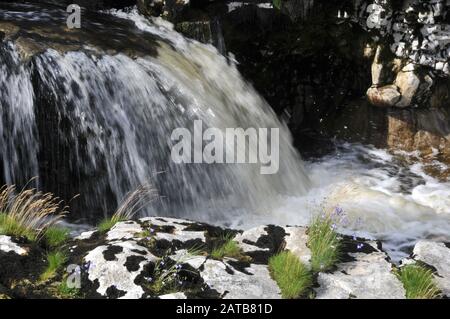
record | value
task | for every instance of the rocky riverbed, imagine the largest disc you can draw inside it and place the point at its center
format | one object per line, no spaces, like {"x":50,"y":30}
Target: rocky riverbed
{"x":122,"y":263}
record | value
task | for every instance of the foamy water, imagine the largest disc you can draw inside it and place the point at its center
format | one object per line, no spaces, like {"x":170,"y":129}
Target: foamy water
{"x":384,"y":197}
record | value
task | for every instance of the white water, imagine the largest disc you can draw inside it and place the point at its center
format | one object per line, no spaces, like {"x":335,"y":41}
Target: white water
{"x":122,"y":112}
{"x":383,"y":197}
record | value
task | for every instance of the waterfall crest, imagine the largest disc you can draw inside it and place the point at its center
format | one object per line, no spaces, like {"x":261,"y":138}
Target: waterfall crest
{"x":99,"y":124}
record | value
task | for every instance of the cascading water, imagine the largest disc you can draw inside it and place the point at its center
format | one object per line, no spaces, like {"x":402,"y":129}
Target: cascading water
{"x":18,"y":143}
{"x":95,"y":117}
{"x":105,"y":123}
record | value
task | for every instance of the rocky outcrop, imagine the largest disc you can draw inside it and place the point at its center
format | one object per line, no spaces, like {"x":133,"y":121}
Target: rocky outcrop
{"x":170,"y":258}
{"x":367,"y":275}
{"x":437,"y":257}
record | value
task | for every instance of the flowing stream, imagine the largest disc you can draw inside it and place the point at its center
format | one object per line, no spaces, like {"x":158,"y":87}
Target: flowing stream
{"x":97,"y":122}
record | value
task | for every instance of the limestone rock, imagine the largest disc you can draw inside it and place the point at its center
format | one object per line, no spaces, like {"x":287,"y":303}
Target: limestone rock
{"x":7,"y":245}
{"x":86,"y":235}
{"x":436,"y":255}
{"x":368,"y":276}
{"x":253,"y":282}
{"x":176,"y":295}
{"x":124,"y":230}
{"x":116,"y":266}
{"x":296,"y":240}
{"x":248,"y":239}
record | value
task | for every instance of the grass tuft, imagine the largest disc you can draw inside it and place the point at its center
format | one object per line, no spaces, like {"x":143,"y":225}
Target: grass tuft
{"x":291,"y":275}
{"x":324,"y":243}
{"x":56,"y":237}
{"x":68,"y":293}
{"x":55,"y":260}
{"x":228,"y":248}
{"x":27,"y":213}
{"x":418,"y":282}
{"x":130,"y":206}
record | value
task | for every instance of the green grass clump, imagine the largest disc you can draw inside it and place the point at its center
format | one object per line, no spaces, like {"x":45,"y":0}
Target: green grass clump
{"x":55,"y":260}
{"x":108,"y":223}
{"x":65,"y":292}
{"x":292,"y":276}
{"x":11,"y":227}
{"x":56,"y":236}
{"x":418,"y":282}
{"x":228,"y":248}
{"x":130,"y":206}
{"x":27,"y":213}
{"x":324,"y":243}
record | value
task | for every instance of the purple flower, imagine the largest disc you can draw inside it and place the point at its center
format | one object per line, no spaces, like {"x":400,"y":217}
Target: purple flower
{"x":338,"y":210}
{"x":359,"y":246}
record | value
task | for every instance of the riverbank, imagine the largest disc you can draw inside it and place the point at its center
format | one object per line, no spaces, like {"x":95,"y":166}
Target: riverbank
{"x":124,"y":263}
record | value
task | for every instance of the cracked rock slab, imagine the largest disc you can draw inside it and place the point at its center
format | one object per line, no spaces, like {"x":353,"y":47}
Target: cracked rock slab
{"x":248,"y":239}
{"x":7,"y":245}
{"x":369,"y":276}
{"x":179,"y":233}
{"x":183,"y":256}
{"x":124,"y":230}
{"x":230,"y":283}
{"x":436,"y":255}
{"x":115,"y":267}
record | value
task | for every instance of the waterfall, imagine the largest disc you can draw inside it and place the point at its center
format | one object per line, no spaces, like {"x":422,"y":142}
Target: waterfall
{"x":100,"y":125}
{"x":18,"y":140}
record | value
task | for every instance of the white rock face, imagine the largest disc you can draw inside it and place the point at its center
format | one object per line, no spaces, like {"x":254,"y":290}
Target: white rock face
{"x":177,"y":295}
{"x":369,"y":277}
{"x":179,"y":233}
{"x":85,"y":235}
{"x":114,"y":273}
{"x":251,"y":236}
{"x":183,"y":256}
{"x":7,"y":245}
{"x":257,"y":284}
{"x":436,"y":255}
{"x":296,"y":240}
{"x":124,"y":230}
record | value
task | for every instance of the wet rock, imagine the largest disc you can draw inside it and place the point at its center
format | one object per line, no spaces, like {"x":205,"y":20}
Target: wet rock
{"x":231,"y":283}
{"x":116,"y":276}
{"x":151,"y":7}
{"x":408,"y":83}
{"x":436,"y":255}
{"x":7,"y":245}
{"x":386,"y":96}
{"x":368,"y":276}
{"x":169,"y":9}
